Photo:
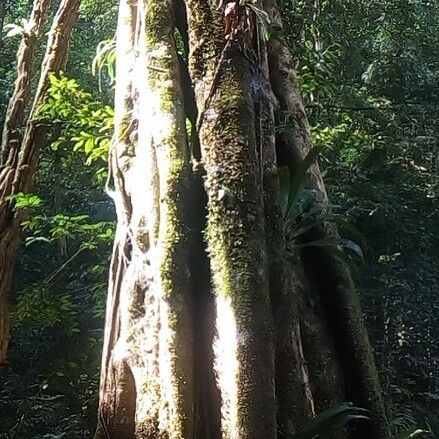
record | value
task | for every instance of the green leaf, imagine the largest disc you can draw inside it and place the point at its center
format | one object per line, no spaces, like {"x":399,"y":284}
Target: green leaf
{"x":334,"y":242}
{"x":331,"y":417}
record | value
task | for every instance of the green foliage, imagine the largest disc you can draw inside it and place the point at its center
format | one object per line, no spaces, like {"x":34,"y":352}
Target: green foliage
{"x":371,"y":83}
{"x":292,"y":183}
{"x":43,"y":309}
{"x":302,"y":208}
{"x":322,"y":424}
{"x":75,"y":228}
{"x":49,"y":387}
{"x":370,"y":78}
{"x":82,"y":122}
{"x":25,"y":201}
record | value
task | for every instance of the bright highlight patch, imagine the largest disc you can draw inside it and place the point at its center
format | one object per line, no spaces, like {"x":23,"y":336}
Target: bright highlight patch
{"x":226,"y":364}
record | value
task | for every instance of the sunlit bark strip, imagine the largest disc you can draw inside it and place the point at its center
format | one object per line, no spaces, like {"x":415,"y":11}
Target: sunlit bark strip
{"x":166,"y":143}
{"x":235,"y":232}
{"x":117,"y":403}
{"x":327,"y":273}
{"x":17,"y":173}
{"x":147,"y":373}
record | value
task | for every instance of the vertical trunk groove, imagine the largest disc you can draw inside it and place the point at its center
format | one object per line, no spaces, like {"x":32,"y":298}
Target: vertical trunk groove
{"x":293,"y":405}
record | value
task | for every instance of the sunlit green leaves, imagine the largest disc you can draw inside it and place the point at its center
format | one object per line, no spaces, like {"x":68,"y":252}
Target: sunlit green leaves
{"x":25,"y":201}
{"x":84,"y":124}
{"x":44,"y":308}
{"x":78,"y":227}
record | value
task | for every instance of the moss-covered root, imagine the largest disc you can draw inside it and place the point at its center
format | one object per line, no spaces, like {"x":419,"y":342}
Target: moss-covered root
{"x":336,"y":287}
{"x":236,"y":240}
{"x":293,"y":405}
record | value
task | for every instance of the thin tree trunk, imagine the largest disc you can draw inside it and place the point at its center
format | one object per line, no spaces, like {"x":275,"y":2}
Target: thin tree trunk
{"x":3,"y":11}
{"x":15,"y":113}
{"x":10,"y":144}
{"x":18,"y":172}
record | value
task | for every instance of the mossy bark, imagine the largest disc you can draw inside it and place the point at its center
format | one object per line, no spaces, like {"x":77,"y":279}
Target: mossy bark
{"x":149,"y":309}
{"x":20,"y":156}
{"x":235,"y":230}
{"x":212,"y":330}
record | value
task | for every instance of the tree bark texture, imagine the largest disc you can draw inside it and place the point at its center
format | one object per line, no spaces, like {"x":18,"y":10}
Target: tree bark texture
{"x":21,"y":153}
{"x":15,"y":113}
{"x":148,"y":355}
{"x":327,"y":274}
{"x":3,"y":10}
{"x":209,"y":330}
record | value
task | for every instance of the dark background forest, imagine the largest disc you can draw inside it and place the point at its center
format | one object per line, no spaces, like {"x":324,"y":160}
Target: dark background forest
{"x":369,"y":73}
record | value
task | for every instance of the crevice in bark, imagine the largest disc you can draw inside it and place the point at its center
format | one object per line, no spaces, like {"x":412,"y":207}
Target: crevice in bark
{"x":207,"y":394}
{"x":326,"y":380}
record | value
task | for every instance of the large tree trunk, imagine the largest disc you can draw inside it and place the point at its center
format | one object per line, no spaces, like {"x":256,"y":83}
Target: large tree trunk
{"x":276,"y":360}
{"x":21,"y":155}
{"x":147,"y":373}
